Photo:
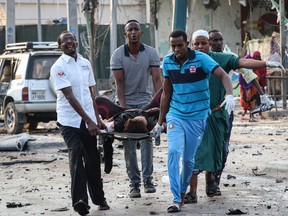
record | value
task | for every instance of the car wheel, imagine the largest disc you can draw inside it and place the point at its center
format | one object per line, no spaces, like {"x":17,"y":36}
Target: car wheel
{"x":11,"y":120}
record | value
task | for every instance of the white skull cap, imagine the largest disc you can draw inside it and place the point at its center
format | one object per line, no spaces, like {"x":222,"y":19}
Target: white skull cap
{"x":198,"y":33}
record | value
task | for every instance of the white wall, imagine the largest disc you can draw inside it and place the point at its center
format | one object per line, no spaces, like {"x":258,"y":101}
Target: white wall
{"x":26,"y":11}
{"x":199,"y":17}
{"x":223,"y":18}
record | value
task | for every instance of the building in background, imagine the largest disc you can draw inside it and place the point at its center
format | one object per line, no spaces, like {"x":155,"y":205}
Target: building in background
{"x":233,"y":17}
{"x":238,"y":20}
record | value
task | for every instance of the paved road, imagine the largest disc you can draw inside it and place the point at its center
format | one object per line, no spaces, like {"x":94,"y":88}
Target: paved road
{"x":258,"y":160}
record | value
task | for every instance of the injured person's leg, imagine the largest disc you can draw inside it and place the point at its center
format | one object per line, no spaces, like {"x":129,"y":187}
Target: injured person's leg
{"x":107,"y":108}
{"x":108,"y":152}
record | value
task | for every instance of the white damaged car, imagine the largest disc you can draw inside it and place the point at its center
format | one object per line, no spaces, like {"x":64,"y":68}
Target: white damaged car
{"x":26,"y":96}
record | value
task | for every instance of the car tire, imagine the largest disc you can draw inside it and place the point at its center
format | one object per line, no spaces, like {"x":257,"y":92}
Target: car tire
{"x":11,"y":120}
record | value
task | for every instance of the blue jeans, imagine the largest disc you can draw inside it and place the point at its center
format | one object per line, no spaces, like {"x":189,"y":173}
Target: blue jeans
{"x":184,"y":137}
{"x":130,"y":152}
{"x":84,"y":164}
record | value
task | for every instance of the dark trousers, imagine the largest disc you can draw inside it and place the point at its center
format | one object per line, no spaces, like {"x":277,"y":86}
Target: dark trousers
{"x":84,"y":164}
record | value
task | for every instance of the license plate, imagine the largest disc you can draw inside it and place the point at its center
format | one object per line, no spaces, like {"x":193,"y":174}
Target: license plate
{"x":38,"y":95}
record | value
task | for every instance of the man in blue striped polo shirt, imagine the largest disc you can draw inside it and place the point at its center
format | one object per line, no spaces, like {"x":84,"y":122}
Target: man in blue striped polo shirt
{"x":185,"y":104}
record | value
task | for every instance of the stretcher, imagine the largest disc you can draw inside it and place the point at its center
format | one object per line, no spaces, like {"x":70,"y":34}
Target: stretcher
{"x":107,"y":109}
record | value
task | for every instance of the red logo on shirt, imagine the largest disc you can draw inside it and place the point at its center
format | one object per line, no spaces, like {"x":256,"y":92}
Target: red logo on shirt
{"x":192,"y":69}
{"x":61,"y":74}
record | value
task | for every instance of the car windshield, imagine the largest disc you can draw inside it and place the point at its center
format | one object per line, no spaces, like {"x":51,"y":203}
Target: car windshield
{"x":41,"y":65}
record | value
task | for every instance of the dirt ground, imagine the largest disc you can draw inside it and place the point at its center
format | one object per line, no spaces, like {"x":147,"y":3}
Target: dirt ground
{"x":258,"y":161}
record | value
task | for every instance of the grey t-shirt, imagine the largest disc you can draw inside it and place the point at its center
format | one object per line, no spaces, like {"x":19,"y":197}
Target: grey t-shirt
{"x":136,"y":72}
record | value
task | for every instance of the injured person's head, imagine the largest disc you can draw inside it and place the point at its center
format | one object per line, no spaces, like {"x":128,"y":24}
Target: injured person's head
{"x":137,"y":124}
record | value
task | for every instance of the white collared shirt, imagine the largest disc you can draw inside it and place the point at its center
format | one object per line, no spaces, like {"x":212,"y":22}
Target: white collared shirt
{"x":79,"y":76}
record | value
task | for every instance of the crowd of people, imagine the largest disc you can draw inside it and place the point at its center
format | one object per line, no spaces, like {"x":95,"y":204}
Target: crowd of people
{"x":194,"y":102}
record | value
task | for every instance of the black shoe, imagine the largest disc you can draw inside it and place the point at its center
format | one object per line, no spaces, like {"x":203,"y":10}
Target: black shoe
{"x":135,"y":192}
{"x":104,"y":206}
{"x":82,"y":208}
{"x":108,"y":153}
{"x":149,"y":187}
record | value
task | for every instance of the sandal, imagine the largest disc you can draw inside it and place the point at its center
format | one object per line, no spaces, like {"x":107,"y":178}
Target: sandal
{"x":217,"y":191}
{"x":252,"y":120}
{"x":175,"y":207}
{"x":189,"y":198}
{"x":210,"y":189}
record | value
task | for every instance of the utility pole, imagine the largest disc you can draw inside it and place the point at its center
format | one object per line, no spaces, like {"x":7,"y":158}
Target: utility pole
{"x":179,"y":14}
{"x":151,"y":20}
{"x":113,"y":31}
{"x":113,"y":25}
{"x":39,"y":27}
{"x":89,"y":10}
{"x":282,"y":53}
{"x":72,"y":23}
{"x":10,"y":21}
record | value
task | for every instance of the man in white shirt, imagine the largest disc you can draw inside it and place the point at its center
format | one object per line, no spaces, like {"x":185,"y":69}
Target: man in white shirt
{"x":79,"y":123}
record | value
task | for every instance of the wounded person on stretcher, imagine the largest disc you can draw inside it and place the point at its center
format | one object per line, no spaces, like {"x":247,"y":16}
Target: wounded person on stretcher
{"x":119,"y":119}
{"x":133,"y":121}
{"x":124,"y":119}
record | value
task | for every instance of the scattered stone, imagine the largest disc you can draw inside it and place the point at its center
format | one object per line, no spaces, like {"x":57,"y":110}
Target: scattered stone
{"x":230,"y":176}
{"x":235,"y":212}
{"x":60,"y":209}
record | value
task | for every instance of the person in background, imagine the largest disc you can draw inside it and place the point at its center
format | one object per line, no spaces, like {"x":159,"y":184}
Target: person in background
{"x":217,"y":135}
{"x":79,"y":123}
{"x":249,"y":96}
{"x":132,"y":64}
{"x":6,"y":74}
{"x":262,"y":75}
{"x":185,"y":104}
{"x":261,"y":72}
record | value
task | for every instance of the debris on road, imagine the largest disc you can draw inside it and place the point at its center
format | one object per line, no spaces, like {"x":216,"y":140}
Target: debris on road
{"x":26,"y":161}
{"x":16,"y":142}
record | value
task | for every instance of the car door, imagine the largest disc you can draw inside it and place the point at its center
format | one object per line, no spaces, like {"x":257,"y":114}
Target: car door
{"x":6,"y":68}
{"x":38,"y":78}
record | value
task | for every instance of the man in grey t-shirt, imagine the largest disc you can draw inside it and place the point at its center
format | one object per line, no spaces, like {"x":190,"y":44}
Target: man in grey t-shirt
{"x":132,"y":64}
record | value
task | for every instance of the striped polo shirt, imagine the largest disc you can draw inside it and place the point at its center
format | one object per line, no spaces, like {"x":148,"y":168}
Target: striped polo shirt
{"x":191,"y":96}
